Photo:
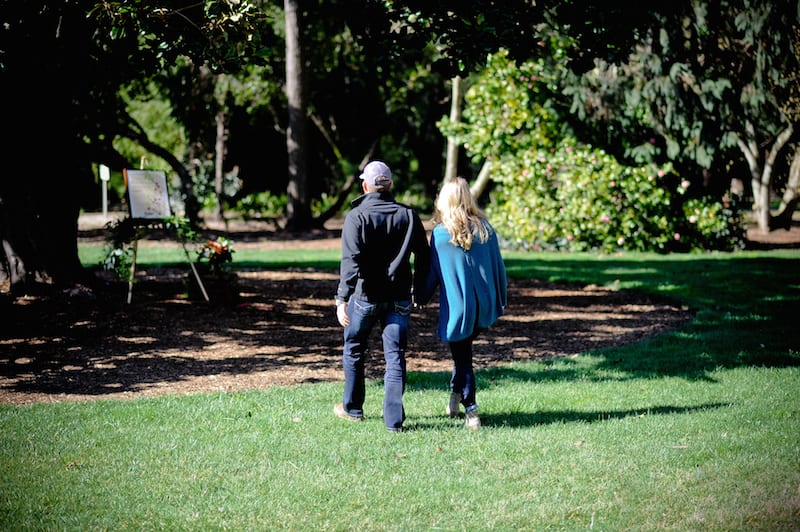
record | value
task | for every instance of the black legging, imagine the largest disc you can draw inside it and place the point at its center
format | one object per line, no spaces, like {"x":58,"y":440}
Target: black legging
{"x":463,"y":378}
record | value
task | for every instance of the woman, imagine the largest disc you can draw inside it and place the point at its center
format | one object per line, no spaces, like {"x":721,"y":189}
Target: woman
{"x":467,"y":266}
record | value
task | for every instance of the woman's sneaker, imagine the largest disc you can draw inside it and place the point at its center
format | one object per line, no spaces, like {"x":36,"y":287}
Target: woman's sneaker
{"x":452,"y":406}
{"x":473,"y":422}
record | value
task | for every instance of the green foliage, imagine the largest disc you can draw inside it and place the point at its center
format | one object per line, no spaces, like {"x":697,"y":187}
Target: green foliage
{"x":261,"y":205}
{"x":204,"y":186}
{"x":154,"y":114}
{"x":576,"y":198}
{"x":225,"y":32}
{"x":508,"y":109}
{"x":321,"y":204}
{"x":119,"y":253}
{"x":558,"y":194}
{"x":706,"y":77}
{"x":417,"y":199}
{"x":181,"y":228}
{"x":712,"y":224}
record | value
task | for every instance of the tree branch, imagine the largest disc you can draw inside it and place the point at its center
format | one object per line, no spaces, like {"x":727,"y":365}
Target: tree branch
{"x":345,"y":190}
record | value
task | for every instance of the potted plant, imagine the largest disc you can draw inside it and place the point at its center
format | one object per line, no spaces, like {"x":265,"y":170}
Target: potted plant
{"x":213,"y":266}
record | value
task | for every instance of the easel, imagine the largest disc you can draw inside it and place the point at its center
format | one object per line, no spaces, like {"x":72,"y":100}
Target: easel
{"x":148,"y":200}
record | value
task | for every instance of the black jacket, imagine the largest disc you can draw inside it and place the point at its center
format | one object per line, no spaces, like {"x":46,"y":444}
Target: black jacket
{"x":378,"y":237}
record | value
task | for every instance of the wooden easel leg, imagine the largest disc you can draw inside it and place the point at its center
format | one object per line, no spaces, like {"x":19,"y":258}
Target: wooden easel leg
{"x":133,"y":270}
{"x":194,"y":271}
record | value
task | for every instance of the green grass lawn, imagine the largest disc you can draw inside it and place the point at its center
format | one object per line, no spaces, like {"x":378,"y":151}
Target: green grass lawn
{"x":696,"y":429}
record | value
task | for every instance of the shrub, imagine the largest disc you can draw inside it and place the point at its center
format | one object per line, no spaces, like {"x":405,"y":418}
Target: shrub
{"x":554,"y":193}
{"x":577,"y":198}
{"x":712,"y":225}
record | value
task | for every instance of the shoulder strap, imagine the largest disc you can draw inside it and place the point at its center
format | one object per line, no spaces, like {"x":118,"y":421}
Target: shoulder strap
{"x":399,"y":258}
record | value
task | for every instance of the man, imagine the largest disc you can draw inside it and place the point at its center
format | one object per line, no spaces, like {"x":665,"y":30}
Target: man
{"x":375,"y":286}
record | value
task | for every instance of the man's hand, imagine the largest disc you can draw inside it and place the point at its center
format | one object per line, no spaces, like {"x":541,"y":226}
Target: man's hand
{"x":341,"y":314}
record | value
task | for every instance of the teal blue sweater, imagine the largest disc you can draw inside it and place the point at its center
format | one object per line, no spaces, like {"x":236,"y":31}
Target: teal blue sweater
{"x":472,"y":284}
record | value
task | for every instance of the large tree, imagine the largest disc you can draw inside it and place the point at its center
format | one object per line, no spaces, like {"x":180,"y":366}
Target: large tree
{"x":299,"y":208}
{"x":706,"y":79}
{"x":62,"y":66}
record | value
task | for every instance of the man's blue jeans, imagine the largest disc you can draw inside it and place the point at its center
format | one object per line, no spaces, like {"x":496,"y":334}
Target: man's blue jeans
{"x":393,"y":317}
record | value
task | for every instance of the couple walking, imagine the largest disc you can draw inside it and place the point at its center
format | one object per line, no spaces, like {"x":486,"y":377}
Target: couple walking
{"x":375,"y":287}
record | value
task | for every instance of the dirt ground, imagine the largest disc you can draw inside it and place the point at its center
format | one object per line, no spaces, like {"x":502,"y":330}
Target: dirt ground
{"x":280,"y":330}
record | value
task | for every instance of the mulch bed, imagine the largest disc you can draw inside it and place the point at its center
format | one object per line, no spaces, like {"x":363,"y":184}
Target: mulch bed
{"x":282,"y":330}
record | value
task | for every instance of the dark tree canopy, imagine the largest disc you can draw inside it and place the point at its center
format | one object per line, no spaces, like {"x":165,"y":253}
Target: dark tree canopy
{"x":61,"y":67}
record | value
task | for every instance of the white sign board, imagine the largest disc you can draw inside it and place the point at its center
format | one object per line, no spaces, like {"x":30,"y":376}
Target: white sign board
{"x":147,"y":194}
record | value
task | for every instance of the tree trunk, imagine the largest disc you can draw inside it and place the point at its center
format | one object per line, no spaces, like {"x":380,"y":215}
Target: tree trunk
{"x":451,"y":166}
{"x":761,"y":178}
{"x":752,"y":156}
{"x":40,"y":199}
{"x":484,"y":176}
{"x":45,"y":168}
{"x":19,"y":258}
{"x":219,"y":159}
{"x":39,"y":230}
{"x":298,"y":212}
{"x":783,"y":216}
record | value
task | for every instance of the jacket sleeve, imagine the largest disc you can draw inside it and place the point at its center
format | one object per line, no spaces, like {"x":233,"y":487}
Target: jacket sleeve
{"x":500,"y":268}
{"x":431,"y":281}
{"x":422,"y":259}
{"x":349,"y":267}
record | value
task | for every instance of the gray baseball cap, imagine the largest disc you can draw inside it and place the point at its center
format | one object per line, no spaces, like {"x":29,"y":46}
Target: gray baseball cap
{"x":376,"y":173}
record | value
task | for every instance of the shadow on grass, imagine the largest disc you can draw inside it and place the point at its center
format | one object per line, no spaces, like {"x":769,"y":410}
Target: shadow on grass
{"x":715,"y":340}
{"x":527,"y":419}
{"x":530,"y":419}
{"x":729,"y":281}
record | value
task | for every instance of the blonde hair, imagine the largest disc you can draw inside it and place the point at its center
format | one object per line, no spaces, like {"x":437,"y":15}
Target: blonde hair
{"x":459,"y":213}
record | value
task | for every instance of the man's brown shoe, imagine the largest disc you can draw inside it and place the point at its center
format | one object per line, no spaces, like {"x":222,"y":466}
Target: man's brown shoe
{"x":340,"y":412}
